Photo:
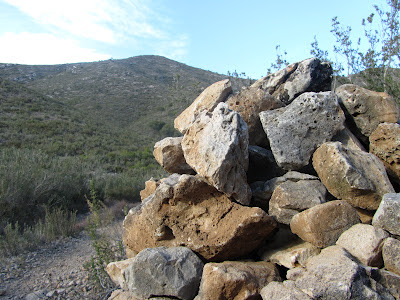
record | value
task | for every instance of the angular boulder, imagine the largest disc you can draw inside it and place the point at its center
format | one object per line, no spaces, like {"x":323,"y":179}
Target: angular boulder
{"x":387,"y":279}
{"x":385,"y":144}
{"x":249,"y":102}
{"x":310,"y":75}
{"x":365,"y":243}
{"x":391,"y":255}
{"x":297,"y":130}
{"x":168,"y":153}
{"x":207,"y":100}
{"x":150,"y":187}
{"x":352,"y":175}
{"x":333,"y":274}
{"x":186,"y":211}
{"x":236,"y":280}
{"x":388,"y":214}
{"x":173,"y":272}
{"x":290,"y":198}
{"x":322,"y":224}
{"x":216,"y":147}
{"x":366,"y":109}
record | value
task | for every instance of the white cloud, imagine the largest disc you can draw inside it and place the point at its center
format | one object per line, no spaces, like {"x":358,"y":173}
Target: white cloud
{"x":30,"y":48}
{"x":138,"y":25}
{"x":101,"y":20}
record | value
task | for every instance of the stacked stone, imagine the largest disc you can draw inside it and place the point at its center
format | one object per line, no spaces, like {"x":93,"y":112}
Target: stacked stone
{"x":271,"y":194}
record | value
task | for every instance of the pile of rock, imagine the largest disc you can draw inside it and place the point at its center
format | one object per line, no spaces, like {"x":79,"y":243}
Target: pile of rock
{"x":271,"y":194}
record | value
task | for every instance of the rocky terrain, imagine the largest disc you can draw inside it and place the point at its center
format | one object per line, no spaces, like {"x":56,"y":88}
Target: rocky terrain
{"x":285,"y":190}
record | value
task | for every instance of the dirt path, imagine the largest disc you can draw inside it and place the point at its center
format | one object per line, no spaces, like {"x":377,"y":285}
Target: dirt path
{"x":52,"y":272}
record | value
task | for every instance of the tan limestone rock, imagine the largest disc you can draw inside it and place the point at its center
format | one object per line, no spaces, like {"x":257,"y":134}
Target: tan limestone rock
{"x":367,"y":109}
{"x":168,"y":153}
{"x":290,"y":198}
{"x":116,"y":271}
{"x":122,"y":295}
{"x":236,"y":280}
{"x":207,"y":100}
{"x":186,"y":211}
{"x":355,"y":176}
{"x":150,"y":187}
{"x":322,"y":224}
{"x":216,"y":147}
{"x":249,"y":103}
{"x":364,"y":242}
{"x":385,"y":144}
{"x":292,"y":254}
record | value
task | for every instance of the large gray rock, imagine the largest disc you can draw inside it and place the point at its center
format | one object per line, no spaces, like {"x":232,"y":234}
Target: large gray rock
{"x":333,"y":274}
{"x":186,"y":211}
{"x":173,"y":272}
{"x":263,"y":190}
{"x":322,"y":224}
{"x":168,"y":153}
{"x":295,"y":131}
{"x":355,"y":176}
{"x":387,"y":279}
{"x":391,"y":255}
{"x":207,"y":100}
{"x":290,"y":198}
{"x":366,"y":109}
{"x":236,"y":280}
{"x":216,"y":147}
{"x":286,"y":290}
{"x":364,"y":242}
{"x":310,"y":75}
{"x":388,"y":214}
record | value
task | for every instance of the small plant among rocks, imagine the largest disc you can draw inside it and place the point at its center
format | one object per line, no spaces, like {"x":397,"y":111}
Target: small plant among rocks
{"x":107,"y":249}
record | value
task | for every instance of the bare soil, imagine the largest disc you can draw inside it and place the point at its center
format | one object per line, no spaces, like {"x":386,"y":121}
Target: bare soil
{"x":56,"y":271}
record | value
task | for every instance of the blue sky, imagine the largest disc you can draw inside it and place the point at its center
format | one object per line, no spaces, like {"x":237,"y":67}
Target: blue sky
{"x":219,"y":36}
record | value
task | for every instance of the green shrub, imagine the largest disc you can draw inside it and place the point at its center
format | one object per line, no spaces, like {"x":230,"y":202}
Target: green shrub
{"x":31,"y":180}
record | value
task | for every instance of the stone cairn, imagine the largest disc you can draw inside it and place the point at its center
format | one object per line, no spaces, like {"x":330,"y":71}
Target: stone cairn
{"x":285,"y":190}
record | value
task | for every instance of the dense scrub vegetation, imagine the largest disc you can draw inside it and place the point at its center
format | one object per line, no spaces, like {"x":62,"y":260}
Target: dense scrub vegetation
{"x":64,"y":126}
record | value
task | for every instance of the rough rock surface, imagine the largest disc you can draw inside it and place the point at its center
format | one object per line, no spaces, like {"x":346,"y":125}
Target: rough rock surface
{"x":283,"y":291}
{"x":173,"y":272}
{"x":385,"y":143}
{"x":355,"y":176}
{"x":249,"y":102}
{"x":391,"y":255}
{"x":236,"y":280}
{"x":366,"y":109}
{"x":310,"y":75}
{"x":292,"y":254}
{"x":168,"y":153}
{"x":295,"y":131}
{"x":290,"y":198}
{"x":216,"y":147}
{"x":333,"y":274}
{"x":322,"y":224}
{"x":207,"y":100}
{"x":364,"y":242}
{"x":187,"y":211}
{"x":387,"y":279}
{"x":388,"y":214}
{"x":348,"y":139}
{"x":263,"y":190}
{"x":116,"y":271}
{"x":150,"y":187}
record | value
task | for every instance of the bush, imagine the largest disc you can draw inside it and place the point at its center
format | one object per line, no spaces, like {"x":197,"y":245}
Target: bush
{"x":31,"y":180}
